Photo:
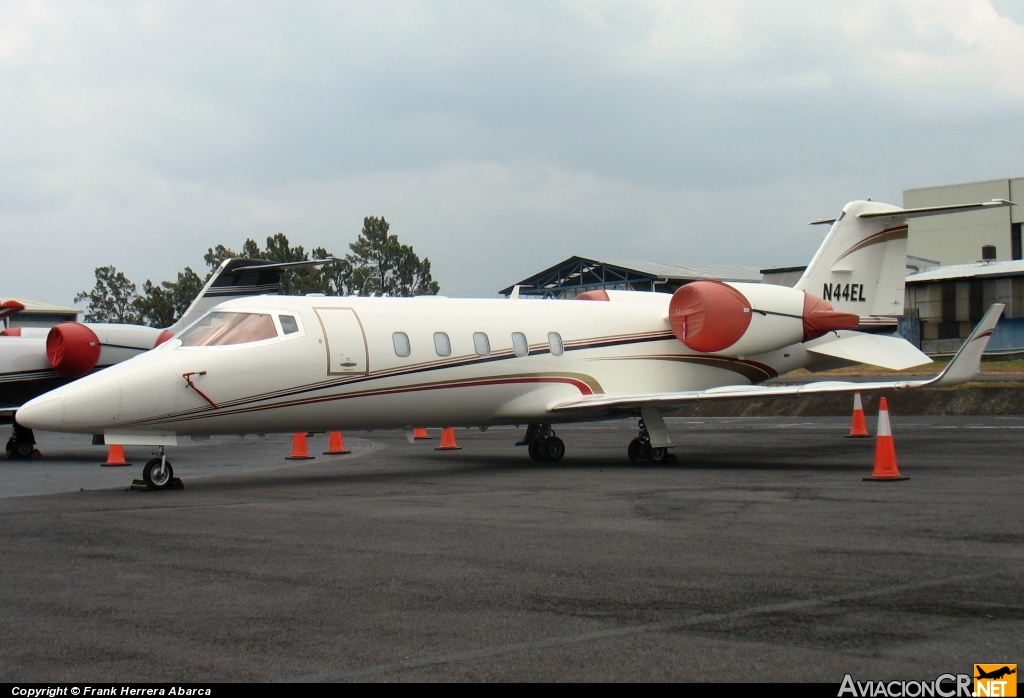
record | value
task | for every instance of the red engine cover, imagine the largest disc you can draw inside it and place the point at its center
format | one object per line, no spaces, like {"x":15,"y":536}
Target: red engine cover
{"x":821,"y":318}
{"x":72,"y":349}
{"x":708,"y":316}
{"x":163,"y":337}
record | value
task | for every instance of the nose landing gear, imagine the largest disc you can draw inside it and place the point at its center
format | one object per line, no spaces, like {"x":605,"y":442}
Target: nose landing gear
{"x":159,"y":475}
{"x":543,"y":445}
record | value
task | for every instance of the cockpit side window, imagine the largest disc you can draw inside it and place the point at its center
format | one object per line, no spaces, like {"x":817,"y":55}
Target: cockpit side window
{"x":288,"y":324}
{"x":224,"y":328}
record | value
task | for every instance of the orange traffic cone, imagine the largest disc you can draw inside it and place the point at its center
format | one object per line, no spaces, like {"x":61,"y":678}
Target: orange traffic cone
{"x":300,"y":451}
{"x":448,"y":440}
{"x":115,"y":456}
{"x":419,"y":434}
{"x":336,"y":445}
{"x":858,"y":428}
{"x":885,"y":449}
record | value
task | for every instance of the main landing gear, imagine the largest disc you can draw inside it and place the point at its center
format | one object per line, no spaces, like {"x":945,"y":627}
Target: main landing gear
{"x":22,"y":443}
{"x":158,"y":474}
{"x":544,"y":446}
{"x":640,"y":450}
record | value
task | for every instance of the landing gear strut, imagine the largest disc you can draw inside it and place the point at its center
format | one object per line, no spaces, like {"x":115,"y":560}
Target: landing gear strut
{"x":542,"y":443}
{"x":22,"y":442}
{"x":158,"y":473}
{"x":640,"y":450}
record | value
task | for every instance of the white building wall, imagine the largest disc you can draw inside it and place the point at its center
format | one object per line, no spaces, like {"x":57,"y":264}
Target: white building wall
{"x":959,"y":237}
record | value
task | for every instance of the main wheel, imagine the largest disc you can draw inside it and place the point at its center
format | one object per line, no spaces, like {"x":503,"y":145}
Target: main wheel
{"x":156,"y":476}
{"x":535,"y":450}
{"x":659,"y":455}
{"x":638,"y":450}
{"x":553,"y":449}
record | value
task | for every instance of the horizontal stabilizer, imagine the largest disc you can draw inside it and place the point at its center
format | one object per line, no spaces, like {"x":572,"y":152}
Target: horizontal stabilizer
{"x":894,"y":353}
{"x":936,"y":210}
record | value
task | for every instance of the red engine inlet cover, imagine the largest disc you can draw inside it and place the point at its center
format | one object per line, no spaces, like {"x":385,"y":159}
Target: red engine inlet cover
{"x":72,"y":349}
{"x":708,"y":316}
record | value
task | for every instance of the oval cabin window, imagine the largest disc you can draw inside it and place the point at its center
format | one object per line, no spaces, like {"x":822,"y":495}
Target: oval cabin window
{"x":442,"y":345}
{"x":481,"y":344}
{"x":519,"y":344}
{"x":401,"y":340}
{"x":555,"y":342}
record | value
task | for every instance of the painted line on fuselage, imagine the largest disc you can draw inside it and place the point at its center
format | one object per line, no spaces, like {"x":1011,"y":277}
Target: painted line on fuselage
{"x":582,"y":382}
{"x":752,"y":371}
{"x":427,"y":366}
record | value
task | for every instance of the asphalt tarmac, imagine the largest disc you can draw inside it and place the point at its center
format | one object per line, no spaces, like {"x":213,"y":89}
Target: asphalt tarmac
{"x":761,"y":555}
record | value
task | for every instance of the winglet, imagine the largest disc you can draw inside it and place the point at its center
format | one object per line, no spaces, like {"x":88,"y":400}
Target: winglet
{"x":967,"y":362}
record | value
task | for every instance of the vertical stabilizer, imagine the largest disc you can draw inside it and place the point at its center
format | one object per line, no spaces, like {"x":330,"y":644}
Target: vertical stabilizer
{"x":861,"y":266}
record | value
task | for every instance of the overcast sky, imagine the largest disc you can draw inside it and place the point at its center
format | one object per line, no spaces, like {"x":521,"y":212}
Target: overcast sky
{"x":496,"y":138}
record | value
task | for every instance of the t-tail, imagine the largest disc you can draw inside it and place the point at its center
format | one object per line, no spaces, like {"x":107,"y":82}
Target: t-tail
{"x":236,"y":278}
{"x":860,"y":268}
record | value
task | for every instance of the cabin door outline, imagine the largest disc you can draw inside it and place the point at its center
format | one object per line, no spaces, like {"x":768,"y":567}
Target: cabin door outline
{"x":347,"y":351}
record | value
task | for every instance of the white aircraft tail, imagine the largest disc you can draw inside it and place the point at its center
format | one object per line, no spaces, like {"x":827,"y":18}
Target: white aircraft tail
{"x":860,"y":268}
{"x":236,"y":278}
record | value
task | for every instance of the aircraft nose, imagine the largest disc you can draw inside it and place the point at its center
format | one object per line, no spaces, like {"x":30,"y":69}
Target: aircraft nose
{"x":45,"y":412}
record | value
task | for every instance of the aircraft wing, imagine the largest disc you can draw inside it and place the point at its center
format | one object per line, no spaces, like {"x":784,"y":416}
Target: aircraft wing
{"x":962,"y":368}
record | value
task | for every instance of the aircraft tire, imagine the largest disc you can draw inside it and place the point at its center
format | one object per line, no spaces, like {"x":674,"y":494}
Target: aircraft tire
{"x":535,"y":450}
{"x":161,"y":479}
{"x":659,"y":455}
{"x":638,"y":451}
{"x":553,"y":449}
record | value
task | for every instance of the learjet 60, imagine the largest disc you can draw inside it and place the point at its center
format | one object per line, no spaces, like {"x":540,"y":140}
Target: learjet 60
{"x":314,"y":363}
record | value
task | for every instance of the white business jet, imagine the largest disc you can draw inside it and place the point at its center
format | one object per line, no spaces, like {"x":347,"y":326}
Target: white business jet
{"x":288,"y":364}
{"x":35,"y":360}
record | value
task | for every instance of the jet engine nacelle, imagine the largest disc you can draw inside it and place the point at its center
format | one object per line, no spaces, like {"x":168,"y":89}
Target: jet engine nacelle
{"x":740,"y":319}
{"x":73,"y":348}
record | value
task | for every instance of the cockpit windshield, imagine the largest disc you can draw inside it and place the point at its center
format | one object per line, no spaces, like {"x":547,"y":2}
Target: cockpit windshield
{"x":222,"y":328}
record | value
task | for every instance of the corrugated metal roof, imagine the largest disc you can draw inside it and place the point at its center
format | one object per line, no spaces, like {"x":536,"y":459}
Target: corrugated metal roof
{"x":971,"y":270}
{"x":34,"y":306}
{"x":721,"y":272}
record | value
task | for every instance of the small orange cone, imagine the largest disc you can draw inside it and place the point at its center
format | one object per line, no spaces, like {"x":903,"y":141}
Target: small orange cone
{"x":448,"y":440}
{"x":336,"y":445}
{"x":300,"y":451}
{"x":115,"y":456}
{"x":858,"y":427}
{"x":885,"y":449}
{"x":419,"y":434}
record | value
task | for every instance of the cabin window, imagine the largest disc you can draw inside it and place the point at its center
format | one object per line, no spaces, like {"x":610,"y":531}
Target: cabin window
{"x":519,"y":344}
{"x":481,"y":344}
{"x":401,"y":340}
{"x":288,"y":324}
{"x":442,"y":345}
{"x":555,"y":342}
{"x":224,"y":328}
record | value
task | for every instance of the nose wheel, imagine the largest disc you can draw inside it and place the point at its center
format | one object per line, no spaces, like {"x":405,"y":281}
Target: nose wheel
{"x":543,"y":445}
{"x":158,"y":473}
{"x":22,"y":443}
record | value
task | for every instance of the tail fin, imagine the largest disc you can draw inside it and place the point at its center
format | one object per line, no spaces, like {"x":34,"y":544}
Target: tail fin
{"x":861,"y":266}
{"x":234,"y":278}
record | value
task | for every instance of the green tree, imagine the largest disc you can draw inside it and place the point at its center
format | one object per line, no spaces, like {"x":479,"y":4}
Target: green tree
{"x":382,"y":265}
{"x":113,"y":299}
{"x":161,"y":306}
